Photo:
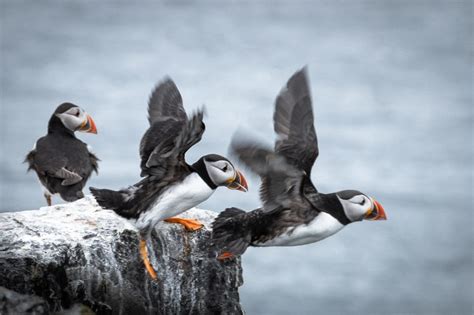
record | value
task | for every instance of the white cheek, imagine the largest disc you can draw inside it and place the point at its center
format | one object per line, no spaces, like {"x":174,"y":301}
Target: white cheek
{"x":71,"y":122}
{"x":357,"y":212}
{"x":214,"y":174}
{"x":229,"y":175}
{"x":220,"y":176}
{"x":353,"y":211}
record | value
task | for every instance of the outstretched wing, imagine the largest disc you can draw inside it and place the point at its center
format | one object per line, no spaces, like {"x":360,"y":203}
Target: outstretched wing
{"x":168,"y":156}
{"x":165,"y":102}
{"x":281,"y":181}
{"x":294,"y":123}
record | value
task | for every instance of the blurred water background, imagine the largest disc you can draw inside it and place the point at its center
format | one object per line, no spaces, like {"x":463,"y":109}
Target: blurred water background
{"x":392,"y":92}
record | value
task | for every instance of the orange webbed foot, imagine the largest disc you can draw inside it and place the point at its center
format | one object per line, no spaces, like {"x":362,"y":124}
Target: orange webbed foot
{"x":225,"y":255}
{"x":189,"y":224}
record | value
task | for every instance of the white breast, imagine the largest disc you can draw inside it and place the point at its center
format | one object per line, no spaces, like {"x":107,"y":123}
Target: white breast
{"x":177,"y":199}
{"x":322,"y":226}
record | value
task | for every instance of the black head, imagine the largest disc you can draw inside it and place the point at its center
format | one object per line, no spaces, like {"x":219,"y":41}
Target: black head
{"x":215,"y":158}
{"x":217,"y":170}
{"x":355,"y":206}
{"x":64,"y":107}
{"x":68,"y":118}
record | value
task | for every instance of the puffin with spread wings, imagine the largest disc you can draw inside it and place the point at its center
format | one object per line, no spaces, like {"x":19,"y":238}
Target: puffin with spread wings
{"x":170,"y":185}
{"x":293,"y":211}
{"x":62,"y":162}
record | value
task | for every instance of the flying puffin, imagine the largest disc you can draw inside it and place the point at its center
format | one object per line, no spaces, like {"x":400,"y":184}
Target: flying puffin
{"x":170,"y":185}
{"x":62,"y":162}
{"x":293,"y":211}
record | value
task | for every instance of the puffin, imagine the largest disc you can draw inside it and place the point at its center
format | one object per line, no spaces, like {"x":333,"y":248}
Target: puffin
{"x":170,"y":185}
{"x":62,"y":162}
{"x":293,"y":211}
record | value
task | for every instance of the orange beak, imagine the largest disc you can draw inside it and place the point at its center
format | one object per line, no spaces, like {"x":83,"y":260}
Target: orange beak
{"x":88,"y":125}
{"x":239,"y":182}
{"x":376,"y":213}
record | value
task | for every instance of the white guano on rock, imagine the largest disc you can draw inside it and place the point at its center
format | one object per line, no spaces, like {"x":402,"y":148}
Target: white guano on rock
{"x":79,"y":253}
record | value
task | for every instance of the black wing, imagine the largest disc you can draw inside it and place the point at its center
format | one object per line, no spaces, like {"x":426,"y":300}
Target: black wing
{"x":63,"y":165}
{"x":166,"y":103}
{"x":167,"y":119}
{"x":281,"y":181}
{"x":294,"y":123}
{"x":162,"y":135}
{"x":168,"y":156}
{"x":47,"y":162}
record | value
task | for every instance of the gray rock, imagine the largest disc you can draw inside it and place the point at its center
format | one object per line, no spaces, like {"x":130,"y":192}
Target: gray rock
{"x":12,"y":303}
{"x":79,"y":253}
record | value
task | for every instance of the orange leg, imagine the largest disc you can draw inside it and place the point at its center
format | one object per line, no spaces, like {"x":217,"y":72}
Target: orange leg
{"x":48,"y":199}
{"x":225,"y":255}
{"x":189,"y":224}
{"x":146,"y":260}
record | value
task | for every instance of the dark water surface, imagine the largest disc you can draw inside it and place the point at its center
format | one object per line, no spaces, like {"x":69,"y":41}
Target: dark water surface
{"x":392,"y":91}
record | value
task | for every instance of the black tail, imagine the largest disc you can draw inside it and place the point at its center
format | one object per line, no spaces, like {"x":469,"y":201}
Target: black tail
{"x":109,"y":199}
{"x":30,"y":159}
{"x":231,"y":233}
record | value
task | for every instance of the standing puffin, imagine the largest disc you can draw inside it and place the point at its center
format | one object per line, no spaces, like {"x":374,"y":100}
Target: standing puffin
{"x":293,"y":211}
{"x":171,"y":186}
{"x":62,"y":162}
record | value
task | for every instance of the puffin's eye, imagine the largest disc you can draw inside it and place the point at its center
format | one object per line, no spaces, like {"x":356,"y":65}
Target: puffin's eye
{"x":362,"y":202}
{"x":224,"y":169}
{"x":77,"y":113}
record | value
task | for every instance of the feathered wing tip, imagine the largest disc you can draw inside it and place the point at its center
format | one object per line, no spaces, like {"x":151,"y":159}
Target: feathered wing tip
{"x":254,"y":155}
{"x":230,"y":233}
{"x":279,"y":178}
{"x":108,"y":199}
{"x":194,"y":129}
{"x":293,"y":122}
{"x":191,"y":133}
{"x":166,"y":102}
{"x":201,"y":111}
{"x":259,"y":158}
{"x":296,"y":87}
{"x":162,"y":157}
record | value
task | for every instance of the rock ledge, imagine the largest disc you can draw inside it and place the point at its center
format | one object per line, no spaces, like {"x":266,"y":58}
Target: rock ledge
{"x":79,"y":253}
